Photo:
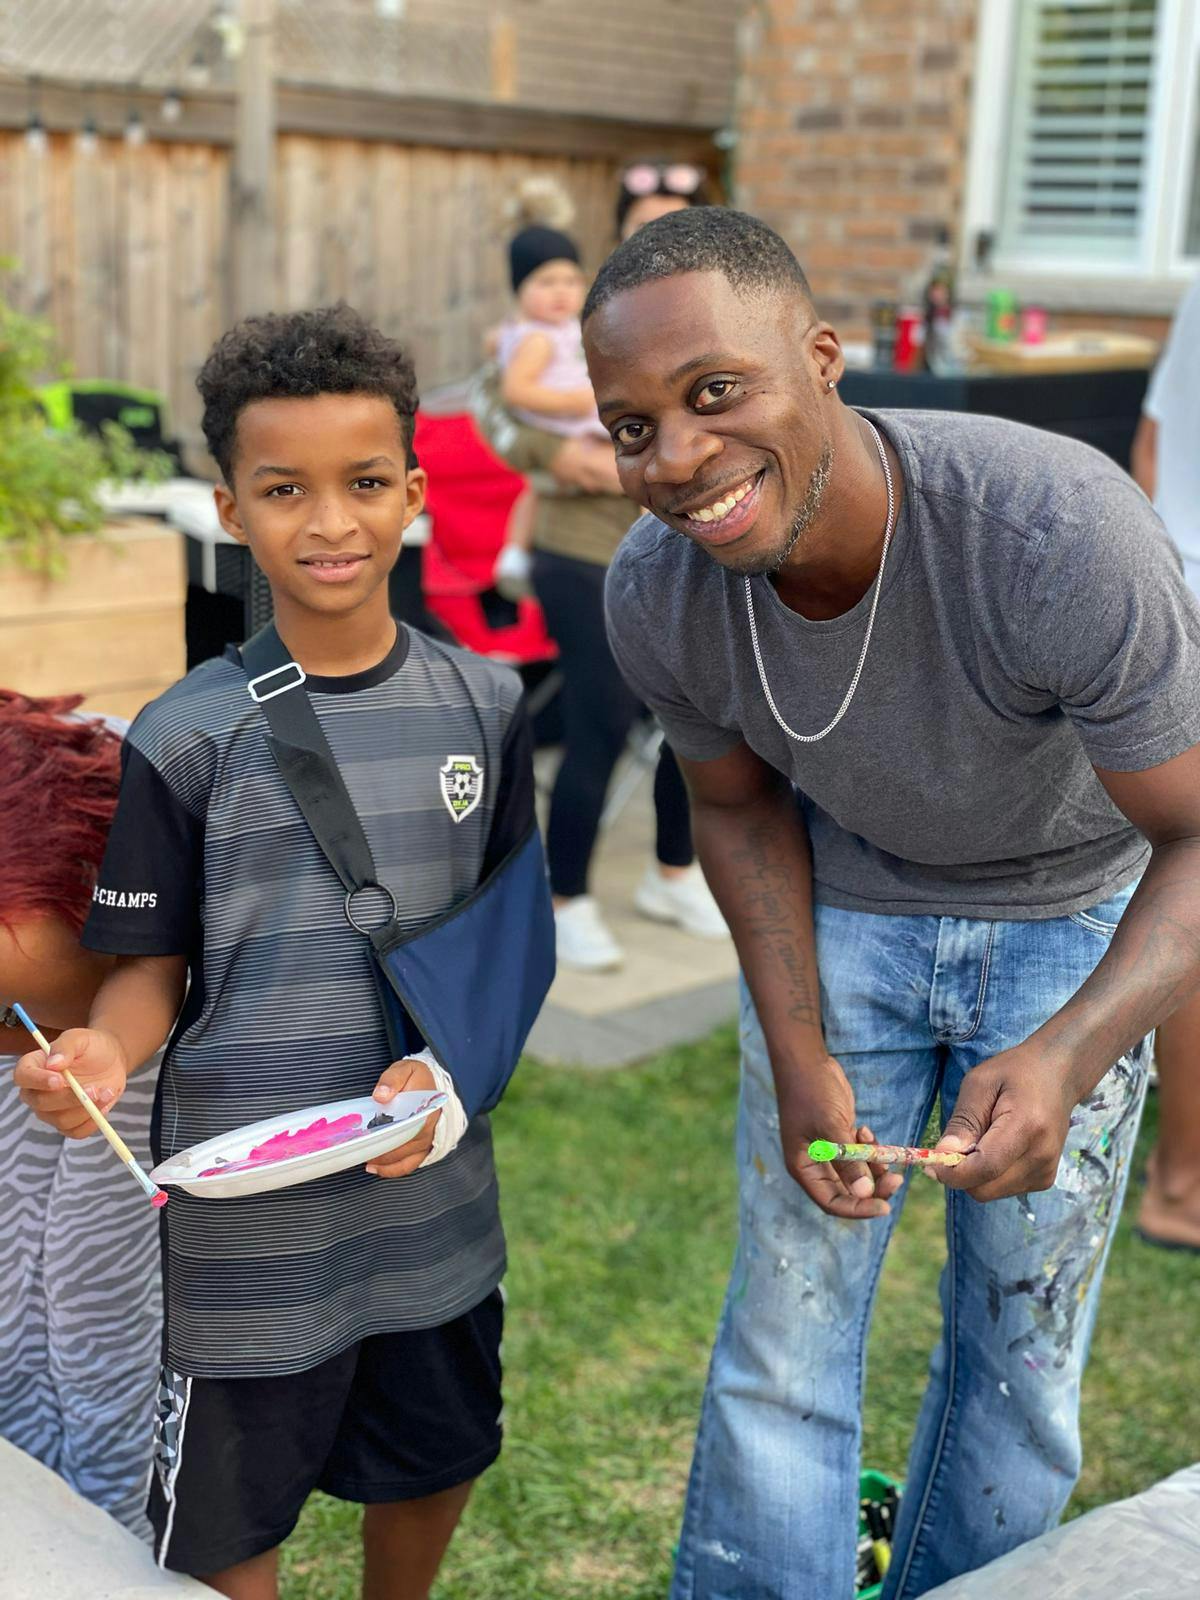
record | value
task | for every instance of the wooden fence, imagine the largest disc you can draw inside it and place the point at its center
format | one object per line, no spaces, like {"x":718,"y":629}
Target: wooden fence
{"x":126,"y":250}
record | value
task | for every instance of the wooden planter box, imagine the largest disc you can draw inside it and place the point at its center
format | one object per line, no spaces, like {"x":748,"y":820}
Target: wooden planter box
{"x":111,"y":629}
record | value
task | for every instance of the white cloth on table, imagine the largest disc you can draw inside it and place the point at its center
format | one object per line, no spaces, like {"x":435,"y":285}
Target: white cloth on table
{"x":1143,"y":1548}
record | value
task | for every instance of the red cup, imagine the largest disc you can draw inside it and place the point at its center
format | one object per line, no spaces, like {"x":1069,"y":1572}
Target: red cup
{"x":1033,"y":325}
{"x":909,"y":352}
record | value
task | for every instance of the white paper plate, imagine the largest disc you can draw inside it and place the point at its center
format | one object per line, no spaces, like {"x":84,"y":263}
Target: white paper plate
{"x":192,"y":1170}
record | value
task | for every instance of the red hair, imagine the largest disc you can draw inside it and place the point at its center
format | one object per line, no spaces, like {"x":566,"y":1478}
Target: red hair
{"x":58,"y":790}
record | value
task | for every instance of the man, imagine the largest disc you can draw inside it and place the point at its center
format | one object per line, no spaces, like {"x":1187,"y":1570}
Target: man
{"x":1166,"y":464}
{"x":935,"y":682}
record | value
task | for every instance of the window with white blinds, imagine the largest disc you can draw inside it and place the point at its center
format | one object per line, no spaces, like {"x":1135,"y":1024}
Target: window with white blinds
{"x":1080,"y":130}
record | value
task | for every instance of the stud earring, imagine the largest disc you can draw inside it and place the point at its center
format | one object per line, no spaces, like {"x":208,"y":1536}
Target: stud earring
{"x":831,"y":384}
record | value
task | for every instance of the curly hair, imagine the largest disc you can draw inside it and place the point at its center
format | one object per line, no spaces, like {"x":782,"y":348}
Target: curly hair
{"x":294,"y":354}
{"x":748,"y":254}
{"x":58,"y":790}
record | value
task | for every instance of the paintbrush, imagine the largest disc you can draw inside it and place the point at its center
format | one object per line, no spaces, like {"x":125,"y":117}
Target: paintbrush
{"x":156,"y":1195}
{"x":887,"y":1155}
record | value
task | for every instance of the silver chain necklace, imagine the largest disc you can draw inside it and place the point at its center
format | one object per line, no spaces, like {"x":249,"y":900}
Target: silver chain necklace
{"x":811,"y":738}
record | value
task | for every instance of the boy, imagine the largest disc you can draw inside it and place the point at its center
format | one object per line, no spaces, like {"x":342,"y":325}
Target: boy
{"x":342,"y":1334}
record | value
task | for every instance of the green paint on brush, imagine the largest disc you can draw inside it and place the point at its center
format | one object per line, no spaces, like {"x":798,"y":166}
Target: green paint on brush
{"x":822,"y":1150}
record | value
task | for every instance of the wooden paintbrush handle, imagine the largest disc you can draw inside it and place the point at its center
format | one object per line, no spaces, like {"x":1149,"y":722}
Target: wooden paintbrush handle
{"x":98,"y":1117}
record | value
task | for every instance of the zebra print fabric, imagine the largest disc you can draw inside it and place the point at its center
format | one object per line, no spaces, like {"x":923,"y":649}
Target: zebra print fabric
{"x":80,"y":1301}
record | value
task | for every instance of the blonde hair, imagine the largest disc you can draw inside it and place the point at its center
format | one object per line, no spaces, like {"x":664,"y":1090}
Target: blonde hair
{"x":540,"y":201}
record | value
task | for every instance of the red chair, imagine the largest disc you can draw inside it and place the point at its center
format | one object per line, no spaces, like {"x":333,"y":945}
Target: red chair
{"x":470,"y":498}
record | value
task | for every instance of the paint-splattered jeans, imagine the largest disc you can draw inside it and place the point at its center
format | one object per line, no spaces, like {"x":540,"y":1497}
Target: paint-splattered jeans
{"x":910,"y":1005}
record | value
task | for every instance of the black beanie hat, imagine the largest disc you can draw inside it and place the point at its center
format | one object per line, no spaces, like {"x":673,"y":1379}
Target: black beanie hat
{"x":533,"y":247}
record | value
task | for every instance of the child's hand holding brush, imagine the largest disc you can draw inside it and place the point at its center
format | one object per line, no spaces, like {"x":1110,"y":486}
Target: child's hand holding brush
{"x":71,"y":1083}
{"x":67,"y":1062}
{"x":95,"y":1060}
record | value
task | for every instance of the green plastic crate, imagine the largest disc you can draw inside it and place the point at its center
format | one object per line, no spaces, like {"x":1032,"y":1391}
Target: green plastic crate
{"x":873,"y":1486}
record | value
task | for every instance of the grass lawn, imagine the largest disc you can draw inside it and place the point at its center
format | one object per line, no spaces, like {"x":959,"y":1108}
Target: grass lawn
{"x":619,"y":1202}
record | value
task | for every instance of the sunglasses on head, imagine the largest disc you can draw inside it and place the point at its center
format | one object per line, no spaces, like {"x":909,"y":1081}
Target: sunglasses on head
{"x":653,"y":177}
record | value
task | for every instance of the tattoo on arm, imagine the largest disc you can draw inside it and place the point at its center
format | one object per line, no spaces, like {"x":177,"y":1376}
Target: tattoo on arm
{"x":767,"y":886}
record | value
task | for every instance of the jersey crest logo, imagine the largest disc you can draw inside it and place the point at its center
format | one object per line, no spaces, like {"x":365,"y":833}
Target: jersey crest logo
{"x":462,"y":785}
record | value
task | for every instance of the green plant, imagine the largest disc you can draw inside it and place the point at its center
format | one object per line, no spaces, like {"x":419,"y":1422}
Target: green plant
{"x":50,"y":480}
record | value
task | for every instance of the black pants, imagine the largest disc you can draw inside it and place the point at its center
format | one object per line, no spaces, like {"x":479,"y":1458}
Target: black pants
{"x":598,"y":711}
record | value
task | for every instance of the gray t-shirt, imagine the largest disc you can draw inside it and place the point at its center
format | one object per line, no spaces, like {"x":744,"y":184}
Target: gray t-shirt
{"x":1033,"y":621}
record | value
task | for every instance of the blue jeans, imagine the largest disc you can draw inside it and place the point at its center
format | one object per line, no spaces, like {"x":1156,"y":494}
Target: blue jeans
{"x":910,"y":1005}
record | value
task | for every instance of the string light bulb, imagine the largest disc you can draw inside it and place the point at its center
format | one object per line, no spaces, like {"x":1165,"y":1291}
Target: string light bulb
{"x":87,"y":140}
{"x":135,"y":129}
{"x":172,"y":107}
{"x":36,"y":137}
{"x":197,"y":73}
{"x":35,"y":129}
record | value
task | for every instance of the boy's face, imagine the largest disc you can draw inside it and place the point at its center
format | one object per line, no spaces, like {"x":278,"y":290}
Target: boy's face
{"x":322,"y":496}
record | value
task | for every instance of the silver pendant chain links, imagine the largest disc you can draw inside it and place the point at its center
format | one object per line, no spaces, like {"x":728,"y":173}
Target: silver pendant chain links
{"x":811,"y":738}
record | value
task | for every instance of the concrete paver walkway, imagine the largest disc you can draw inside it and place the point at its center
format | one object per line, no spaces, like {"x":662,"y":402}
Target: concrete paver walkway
{"x":672,"y":989}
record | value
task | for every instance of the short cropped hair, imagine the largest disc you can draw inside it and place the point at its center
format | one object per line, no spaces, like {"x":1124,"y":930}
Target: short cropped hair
{"x":744,"y":250}
{"x":297,"y":354}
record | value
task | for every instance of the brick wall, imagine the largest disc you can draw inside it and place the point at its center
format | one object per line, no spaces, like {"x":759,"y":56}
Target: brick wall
{"x":853,"y":127}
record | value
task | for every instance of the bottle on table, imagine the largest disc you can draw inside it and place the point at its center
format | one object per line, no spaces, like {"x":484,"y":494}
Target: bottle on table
{"x":883,"y":332}
{"x":940,"y":349}
{"x":1001,"y":315}
{"x":1033,"y":325}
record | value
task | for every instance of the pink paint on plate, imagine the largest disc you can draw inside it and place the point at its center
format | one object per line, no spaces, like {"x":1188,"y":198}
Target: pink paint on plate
{"x":319,"y":1135}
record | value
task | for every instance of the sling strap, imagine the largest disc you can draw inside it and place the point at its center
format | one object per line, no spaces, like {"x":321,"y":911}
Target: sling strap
{"x":470,"y":981}
{"x":306,"y":762}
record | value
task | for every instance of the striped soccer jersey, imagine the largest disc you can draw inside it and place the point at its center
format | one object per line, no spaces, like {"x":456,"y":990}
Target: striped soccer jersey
{"x":210,"y":856}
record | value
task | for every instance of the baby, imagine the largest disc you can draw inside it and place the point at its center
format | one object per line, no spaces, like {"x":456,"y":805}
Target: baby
{"x":544,"y":380}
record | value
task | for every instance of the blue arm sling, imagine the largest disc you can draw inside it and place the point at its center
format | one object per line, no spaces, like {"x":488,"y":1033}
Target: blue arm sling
{"x":471,"y":981}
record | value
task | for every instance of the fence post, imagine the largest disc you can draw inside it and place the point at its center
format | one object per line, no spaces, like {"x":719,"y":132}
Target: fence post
{"x":254,"y":251}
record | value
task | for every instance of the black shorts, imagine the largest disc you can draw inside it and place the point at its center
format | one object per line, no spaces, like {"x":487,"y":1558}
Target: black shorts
{"x":397,"y":1417}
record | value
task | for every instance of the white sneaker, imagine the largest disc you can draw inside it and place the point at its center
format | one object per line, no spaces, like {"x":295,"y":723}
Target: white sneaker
{"x":513,"y":573}
{"x":685,"y":901}
{"x":583,"y":940}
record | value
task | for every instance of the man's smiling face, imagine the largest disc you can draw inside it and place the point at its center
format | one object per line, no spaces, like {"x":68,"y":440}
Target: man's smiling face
{"x":714,"y":402}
